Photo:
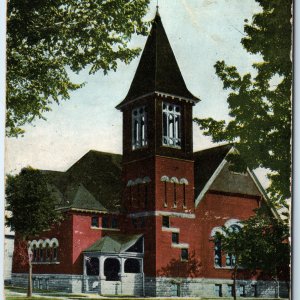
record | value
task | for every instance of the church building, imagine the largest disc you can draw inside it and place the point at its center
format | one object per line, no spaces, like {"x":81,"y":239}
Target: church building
{"x":143,"y":223}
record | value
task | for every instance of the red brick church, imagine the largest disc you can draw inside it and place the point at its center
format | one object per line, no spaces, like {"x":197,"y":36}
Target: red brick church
{"x":143,"y":223}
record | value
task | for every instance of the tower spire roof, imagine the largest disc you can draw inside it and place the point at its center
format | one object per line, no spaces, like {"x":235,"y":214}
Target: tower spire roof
{"x":158,"y":70}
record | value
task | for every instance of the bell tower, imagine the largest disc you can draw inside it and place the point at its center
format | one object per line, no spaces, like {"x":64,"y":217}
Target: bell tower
{"x":158,"y":167}
{"x":157,"y":111}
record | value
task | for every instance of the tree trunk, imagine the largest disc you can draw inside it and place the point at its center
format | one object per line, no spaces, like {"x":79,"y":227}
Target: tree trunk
{"x":234,"y":282}
{"x":29,"y":290}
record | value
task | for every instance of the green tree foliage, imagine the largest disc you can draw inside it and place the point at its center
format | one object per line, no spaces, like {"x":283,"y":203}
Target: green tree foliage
{"x":260,"y":105}
{"x":33,"y":208}
{"x":270,"y":250}
{"x":46,"y":38}
{"x":260,"y":245}
{"x":31,"y":203}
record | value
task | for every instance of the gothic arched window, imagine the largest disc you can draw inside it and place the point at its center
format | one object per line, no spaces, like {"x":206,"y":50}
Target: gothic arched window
{"x":171,"y":125}
{"x":41,"y":253}
{"x":34,"y":250}
{"x":139,"y":128}
{"x":47,"y":252}
{"x":54,"y":252}
{"x":230,"y":258}
{"x":218,"y":252}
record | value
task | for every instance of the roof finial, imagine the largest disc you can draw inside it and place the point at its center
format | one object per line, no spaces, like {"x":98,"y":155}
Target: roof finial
{"x":157,"y":12}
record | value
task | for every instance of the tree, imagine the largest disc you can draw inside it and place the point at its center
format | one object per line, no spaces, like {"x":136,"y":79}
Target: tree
{"x":47,"y":38}
{"x":260,"y":245}
{"x":231,"y":240}
{"x":32,"y":205}
{"x":260,"y":105}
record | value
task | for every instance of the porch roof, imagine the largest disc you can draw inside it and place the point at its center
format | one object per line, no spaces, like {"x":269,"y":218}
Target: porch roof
{"x":116,"y":243}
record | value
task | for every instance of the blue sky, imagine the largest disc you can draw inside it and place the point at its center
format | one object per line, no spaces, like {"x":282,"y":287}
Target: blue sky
{"x":200,"y":32}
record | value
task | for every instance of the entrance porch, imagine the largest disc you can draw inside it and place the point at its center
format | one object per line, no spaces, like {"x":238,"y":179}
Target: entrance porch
{"x":114,"y":266}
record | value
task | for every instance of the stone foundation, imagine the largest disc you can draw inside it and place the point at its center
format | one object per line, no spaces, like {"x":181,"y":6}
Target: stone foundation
{"x":204,"y":287}
{"x":56,"y":282}
{"x":132,"y":284}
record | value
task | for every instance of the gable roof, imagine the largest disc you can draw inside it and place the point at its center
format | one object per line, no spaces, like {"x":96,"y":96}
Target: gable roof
{"x":206,"y":163}
{"x":79,"y":197}
{"x":158,"y":70}
{"x":92,"y":183}
{"x":115,"y":243}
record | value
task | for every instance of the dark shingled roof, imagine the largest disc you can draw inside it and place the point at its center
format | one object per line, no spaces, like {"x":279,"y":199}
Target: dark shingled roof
{"x":206,"y":163}
{"x":93,"y":182}
{"x":115,"y":243}
{"x":158,"y":70}
{"x":79,"y":197}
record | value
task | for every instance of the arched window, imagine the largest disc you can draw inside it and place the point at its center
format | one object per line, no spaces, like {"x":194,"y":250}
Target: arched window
{"x":165,"y":179}
{"x":41,"y":253}
{"x":175,"y":195}
{"x":230,"y":258}
{"x":184,"y":182}
{"x":218,"y":252}
{"x":234,"y":228}
{"x":132,"y":265}
{"x":111,"y":269}
{"x":139,"y":128}
{"x":54,"y":252}
{"x":171,"y":125}
{"x":54,"y":246}
{"x":47,"y":252}
{"x":92,"y":266}
{"x":175,"y":181}
{"x":34,"y":253}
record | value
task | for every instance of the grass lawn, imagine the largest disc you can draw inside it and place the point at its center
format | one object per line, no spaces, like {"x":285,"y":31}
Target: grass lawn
{"x":51,"y":295}
{"x":26,"y":298}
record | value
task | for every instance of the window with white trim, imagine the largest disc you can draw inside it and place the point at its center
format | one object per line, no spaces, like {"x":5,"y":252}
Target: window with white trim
{"x":139,"y":128}
{"x":218,"y":253}
{"x":54,"y":252}
{"x":171,"y":125}
{"x":44,"y":251}
{"x":47,"y":252}
{"x":41,"y":253}
{"x":175,"y":238}
{"x":95,"y":221}
{"x":166,"y":221}
{"x":230,"y":260}
{"x":34,"y":253}
{"x":184,"y":254}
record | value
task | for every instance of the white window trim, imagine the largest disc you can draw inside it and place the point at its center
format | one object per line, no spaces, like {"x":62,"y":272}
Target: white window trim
{"x":175,"y":141}
{"x":142,"y":133}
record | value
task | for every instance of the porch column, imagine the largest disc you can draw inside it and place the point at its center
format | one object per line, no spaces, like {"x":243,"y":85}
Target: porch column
{"x":101,"y":267}
{"x":122,"y":272}
{"x":101,"y":274}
